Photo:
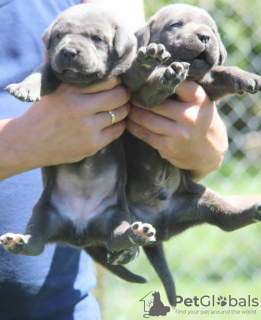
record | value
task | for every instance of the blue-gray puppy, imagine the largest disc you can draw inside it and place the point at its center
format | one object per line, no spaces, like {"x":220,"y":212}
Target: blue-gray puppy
{"x":179,"y":42}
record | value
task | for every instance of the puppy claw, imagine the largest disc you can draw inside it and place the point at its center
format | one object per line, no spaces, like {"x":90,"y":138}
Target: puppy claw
{"x":135,"y":226}
{"x":14,"y":243}
{"x":145,"y":229}
{"x":122,"y":257}
{"x":10,"y":237}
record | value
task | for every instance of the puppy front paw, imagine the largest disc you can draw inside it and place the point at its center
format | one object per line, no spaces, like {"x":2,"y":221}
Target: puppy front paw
{"x":142,"y":233}
{"x":15,"y":243}
{"x":257,"y":212}
{"x":24,"y":91}
{"x":151,"y":56}
{"x":175,"y":73}
{"x":249,"y":82}
{"x":123,"y":257}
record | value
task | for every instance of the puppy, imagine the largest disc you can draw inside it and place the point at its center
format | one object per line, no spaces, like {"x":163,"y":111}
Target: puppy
{"x":83,"y":46}
{"x":158,"y":192}
{"x":186,"y":40}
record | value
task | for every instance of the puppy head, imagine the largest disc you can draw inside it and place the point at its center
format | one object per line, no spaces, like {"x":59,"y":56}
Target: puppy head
{"x":189,"y":34}
{"x":86,"y":44}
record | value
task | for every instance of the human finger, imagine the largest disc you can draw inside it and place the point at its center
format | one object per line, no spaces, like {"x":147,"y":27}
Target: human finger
{"x":151,"y":138}
{"x":108,"y":118}
{"x":100,"y":86}
{"x":151,"y":121}
{"x":190,"y":91}
{"x":170,"y":109}
{"x":107,"y":100}
{"x":111,"y":133}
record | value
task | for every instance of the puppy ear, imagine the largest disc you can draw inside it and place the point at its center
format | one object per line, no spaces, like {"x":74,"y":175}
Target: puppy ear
{"x":46,"y":38}
{"x":124,"y":41}
{"x":222,"y":52}
{"x":143,"y":34}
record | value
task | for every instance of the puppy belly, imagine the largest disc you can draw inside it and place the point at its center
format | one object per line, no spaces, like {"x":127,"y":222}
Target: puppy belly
{"x":78,"y":197}
{"x":81,"y":208}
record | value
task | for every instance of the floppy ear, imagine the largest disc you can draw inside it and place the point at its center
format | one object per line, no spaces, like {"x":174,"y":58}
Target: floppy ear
{"x":222,"y":51}
{"x":143,"y":34}
{"x":124,"y":41}
{"x":46,"y":38}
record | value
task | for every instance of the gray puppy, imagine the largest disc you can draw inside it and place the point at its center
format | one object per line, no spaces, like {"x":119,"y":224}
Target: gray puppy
{"x":83,"y":204}
{"x":158,"y":192}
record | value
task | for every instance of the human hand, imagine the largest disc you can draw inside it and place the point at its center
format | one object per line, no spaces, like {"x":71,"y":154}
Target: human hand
{"x":65,"y":126}
{"x":188,"y":131}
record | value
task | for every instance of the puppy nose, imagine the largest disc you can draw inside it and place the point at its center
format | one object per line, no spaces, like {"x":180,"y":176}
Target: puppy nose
{"x":204,"y":37}
{"x":70,"y":52}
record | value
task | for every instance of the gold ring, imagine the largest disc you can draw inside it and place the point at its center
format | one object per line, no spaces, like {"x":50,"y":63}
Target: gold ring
{"x":113,"y":118}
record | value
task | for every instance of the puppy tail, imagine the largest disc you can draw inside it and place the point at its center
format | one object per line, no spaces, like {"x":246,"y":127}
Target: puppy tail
{"x":99,"y":254}
{"x":156,"y":256}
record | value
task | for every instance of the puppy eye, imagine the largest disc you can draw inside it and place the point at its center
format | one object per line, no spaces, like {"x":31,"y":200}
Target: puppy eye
{"x":176,"y":25}
{"x":59,"y":36}
{"x":96,"y":38}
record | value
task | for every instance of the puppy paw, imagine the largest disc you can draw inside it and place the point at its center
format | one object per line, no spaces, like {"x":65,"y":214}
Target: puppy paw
{"x":142,"y":233}
{"x":122,"y":257}
{"x":250,"y":83}
{"x":257,"y":212}
{"x":151,"y":56}
{"x":24,"y":91}
{"x":175,"y":73}
{"x":15,"y":243}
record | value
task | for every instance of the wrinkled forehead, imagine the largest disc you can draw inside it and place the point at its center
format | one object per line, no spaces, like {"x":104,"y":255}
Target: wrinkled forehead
{"x":73,"y":27}
{"x":80,"y":19}
{"x":185,"y":14}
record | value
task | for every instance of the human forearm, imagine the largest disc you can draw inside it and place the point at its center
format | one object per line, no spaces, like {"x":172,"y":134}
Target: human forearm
{"x":11,"y":160}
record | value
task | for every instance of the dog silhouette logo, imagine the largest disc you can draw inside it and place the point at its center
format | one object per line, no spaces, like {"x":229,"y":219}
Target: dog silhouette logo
{"x":154,"y":306}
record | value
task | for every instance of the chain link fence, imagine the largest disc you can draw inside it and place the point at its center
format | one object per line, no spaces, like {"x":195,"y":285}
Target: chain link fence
{"x":206,"y":260}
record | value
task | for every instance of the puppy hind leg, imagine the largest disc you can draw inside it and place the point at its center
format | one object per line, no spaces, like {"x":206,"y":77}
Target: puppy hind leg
{"x":123,"y":257}
{"x":201,"y":205}
{"x":215,"y":210}
{"x":111,"y":229}
{"x":99,"y":254}
{"x":126,"y":236}
{"x":38,"y":231}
